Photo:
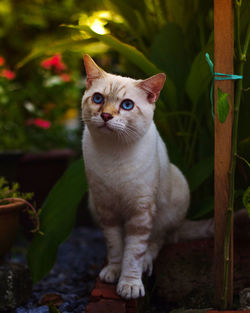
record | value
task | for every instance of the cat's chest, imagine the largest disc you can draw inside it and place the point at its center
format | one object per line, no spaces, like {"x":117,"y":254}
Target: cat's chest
{"x":119,"y":171}
{"x":113,"y":169}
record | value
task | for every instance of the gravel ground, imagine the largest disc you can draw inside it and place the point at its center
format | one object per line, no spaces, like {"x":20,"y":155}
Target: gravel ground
{"x":72,"y":278}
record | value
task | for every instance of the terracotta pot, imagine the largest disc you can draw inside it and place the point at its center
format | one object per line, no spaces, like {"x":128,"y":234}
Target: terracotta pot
{"x":9,"y":225}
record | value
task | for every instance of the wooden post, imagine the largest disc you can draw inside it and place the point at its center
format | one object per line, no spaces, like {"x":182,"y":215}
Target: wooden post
{"x":223,"y":61}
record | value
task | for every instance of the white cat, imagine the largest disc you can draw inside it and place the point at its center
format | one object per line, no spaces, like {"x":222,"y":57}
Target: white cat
{"x":137,"y":194}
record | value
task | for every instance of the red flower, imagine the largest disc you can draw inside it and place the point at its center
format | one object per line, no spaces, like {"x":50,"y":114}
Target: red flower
{"x":8,"y":74}
{"x":39,"y":123}
{"x":65,"y":77}
{"x":2,"y":61}
{"x":54,"y":62}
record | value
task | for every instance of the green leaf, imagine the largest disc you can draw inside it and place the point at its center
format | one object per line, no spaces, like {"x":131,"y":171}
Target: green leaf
{"x":50,"y":47}
{"x":56,"y":220}
{"x":199,"y":173}
{"x":246,"y":200}
{"x":199,"y":77}
{"x":243,"y":159}
{"x":222,"y":106}
{"x":169,"y":53}
{"x":53,"y":308}
{"x":126,"y":10}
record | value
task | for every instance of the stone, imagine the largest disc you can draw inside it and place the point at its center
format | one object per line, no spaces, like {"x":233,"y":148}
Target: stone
{"x":40,"y":309}
{"x":80,"y":309}
{"x":245,"y":299}
{"x":65,"y":307}
{"x":22,"y":310}
{"x":15,"y":285}
{"x":51,"y":298}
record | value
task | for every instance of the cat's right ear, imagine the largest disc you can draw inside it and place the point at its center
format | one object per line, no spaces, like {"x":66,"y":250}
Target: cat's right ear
{"x":93,"y":71}
{"x":152,"y":86}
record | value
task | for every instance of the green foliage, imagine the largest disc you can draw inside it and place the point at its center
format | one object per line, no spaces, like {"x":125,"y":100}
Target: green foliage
{"x":56,"y":220}
{"x":12,"y":191}
{"x":32,"y":113}
{"x":144,"y":37}
{"x":199,"y":173}
{"x":163,"y":54}
{"x":246,"y":200}
{"x":222,"y":106}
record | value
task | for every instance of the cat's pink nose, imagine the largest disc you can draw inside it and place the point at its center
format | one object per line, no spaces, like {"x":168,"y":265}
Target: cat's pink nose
{"x":106,"y":116}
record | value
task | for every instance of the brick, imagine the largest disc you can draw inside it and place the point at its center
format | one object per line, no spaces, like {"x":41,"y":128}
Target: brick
{"x":106,"y":293}
{"x":102,"y":290}
{"x":105,"y":299}
{"x":106,"y":306}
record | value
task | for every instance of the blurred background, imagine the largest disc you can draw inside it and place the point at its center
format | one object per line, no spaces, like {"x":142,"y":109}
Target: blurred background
{"x":42,"y":80}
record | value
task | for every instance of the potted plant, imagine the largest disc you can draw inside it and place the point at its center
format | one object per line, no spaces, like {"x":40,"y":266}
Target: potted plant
{"x":14,"y":207}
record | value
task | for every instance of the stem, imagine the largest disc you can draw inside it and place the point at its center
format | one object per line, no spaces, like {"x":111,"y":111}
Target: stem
{"x":30,"y":206}
{"x":239,"y":84}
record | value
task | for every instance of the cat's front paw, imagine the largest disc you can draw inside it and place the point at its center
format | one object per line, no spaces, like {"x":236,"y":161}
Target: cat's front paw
{"x":110,"y":273}
{"x":130,"y":288}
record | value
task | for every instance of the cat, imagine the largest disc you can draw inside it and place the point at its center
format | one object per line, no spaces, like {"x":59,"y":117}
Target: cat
{"x":137,"y":195}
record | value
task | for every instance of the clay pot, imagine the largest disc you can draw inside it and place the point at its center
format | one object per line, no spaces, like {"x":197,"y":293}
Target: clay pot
{"x":9,"y":222}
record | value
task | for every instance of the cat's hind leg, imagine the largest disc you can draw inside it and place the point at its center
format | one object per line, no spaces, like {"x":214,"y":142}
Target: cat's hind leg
{"x":154,"y":246}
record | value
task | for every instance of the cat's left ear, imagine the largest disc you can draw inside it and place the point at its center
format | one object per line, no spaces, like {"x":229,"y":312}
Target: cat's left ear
{"x":93,"y":71}
{"x":153,"y":86}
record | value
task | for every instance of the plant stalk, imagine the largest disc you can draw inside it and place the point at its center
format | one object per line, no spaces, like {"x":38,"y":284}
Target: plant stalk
{"x":242,"y":58}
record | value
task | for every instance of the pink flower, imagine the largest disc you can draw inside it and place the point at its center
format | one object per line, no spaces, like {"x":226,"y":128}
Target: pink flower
{"x":54,"y":62}
{"x":8,"y":74}
{"x":39,"y":123}
{"x":2,"y":61}
{"x":65,"y":77}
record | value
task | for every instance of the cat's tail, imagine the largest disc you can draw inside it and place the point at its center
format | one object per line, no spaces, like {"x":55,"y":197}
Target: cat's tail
{"x":190,"y":230}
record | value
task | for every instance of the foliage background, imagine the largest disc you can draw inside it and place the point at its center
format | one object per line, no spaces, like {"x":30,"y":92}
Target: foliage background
{"x":138,"y":39}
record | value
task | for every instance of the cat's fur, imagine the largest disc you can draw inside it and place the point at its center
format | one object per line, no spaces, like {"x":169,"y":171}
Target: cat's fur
{"x":138,"y":195}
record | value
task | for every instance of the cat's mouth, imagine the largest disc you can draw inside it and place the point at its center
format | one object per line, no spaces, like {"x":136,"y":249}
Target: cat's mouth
{"x":105,"y":125}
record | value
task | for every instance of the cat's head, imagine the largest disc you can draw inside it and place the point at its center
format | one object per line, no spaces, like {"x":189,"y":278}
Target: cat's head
{"x":119,"y":107}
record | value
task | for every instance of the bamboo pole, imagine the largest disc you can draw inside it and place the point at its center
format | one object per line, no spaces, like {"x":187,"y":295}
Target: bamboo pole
{"x":223,"y":61}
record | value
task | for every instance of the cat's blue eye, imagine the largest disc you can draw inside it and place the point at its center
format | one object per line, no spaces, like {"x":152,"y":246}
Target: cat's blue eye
{"x":127,"y":104}
{"x":98,"y":98}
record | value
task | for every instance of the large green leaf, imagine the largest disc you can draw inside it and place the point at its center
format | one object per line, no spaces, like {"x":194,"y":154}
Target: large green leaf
{"x":57,"y":219}
{"x":169,"y":53}
{"x":199,"y":77}
{"x":199,"y":173}
{"x":49,"y":47}
{"x":128,"y":12}
{"x":135,"y":57}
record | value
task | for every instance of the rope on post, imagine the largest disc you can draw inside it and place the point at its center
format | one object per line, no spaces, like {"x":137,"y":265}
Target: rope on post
{"x":218,"y":76}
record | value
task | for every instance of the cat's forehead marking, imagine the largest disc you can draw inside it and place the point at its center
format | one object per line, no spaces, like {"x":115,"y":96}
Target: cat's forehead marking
{"x":115,"y":90}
